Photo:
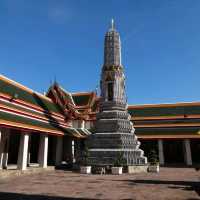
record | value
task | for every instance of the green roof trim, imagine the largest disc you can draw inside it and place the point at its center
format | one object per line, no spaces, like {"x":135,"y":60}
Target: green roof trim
{"x":26,"y":121}
{"x":26,"y":96}
{"x":173,"y":121}
{"x":167,"y":131}
{"x":81,"y":100}
{"x":19,"y":108}
{"x":164,"y":111}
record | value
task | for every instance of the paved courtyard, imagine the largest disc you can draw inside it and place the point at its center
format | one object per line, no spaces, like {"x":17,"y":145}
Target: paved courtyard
{"x":170,"y":183}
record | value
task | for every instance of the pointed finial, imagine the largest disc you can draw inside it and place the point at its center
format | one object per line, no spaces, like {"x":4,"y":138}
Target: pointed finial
{"x":112,"y":24}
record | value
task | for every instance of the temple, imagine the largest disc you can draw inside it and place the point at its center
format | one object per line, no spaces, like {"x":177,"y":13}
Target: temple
{"x":114,"y":132}
{"x":52,"y":128}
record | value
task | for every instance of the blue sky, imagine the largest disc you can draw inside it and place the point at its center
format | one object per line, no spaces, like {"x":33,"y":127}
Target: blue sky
{"x":41,"y":40}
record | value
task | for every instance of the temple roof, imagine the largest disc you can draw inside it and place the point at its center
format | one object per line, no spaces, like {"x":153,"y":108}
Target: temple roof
{"x":21,"y":107}
{"x":11,"y":89}
{"x":179,"y":120}
{"x":168,"y":133}
{"x":81,"y":99}
{"x":165,"y":110}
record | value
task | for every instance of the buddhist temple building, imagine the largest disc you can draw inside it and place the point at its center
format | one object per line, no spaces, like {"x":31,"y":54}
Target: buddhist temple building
{"x":49,"y":129}
{"x":36,"y":128}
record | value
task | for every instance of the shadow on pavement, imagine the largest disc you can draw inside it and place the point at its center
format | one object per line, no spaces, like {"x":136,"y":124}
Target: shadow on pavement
{"x":185,"y":185}
{"x":18,"y":196}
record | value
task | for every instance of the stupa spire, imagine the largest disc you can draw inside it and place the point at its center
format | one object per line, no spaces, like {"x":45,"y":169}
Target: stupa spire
{"x":112,"y":47}
{"x":112,"y":24}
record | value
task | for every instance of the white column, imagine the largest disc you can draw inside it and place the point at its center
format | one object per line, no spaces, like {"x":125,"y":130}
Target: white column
{"x":29,"y":154}
{"x":1,"y":148}
{"x":6,"y":141}
{"x":43,"y":151}
{"x":23,"y":151}
{"x":73,"y":151}
{"x":5,"y":160}
{"x":187,"y":152}
{"x":82,"y":124}
{"x":161,"y":152}
{"x":59,"y":150}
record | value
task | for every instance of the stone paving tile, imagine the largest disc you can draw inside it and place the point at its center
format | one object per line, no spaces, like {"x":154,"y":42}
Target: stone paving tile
{"x":169,"y":184}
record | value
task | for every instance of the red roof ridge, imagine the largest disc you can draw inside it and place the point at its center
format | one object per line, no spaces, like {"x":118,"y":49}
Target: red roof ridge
{"x":81,"y":93}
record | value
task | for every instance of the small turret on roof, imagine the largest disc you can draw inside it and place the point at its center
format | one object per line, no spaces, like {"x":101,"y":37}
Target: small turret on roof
{"x":65,"y":101}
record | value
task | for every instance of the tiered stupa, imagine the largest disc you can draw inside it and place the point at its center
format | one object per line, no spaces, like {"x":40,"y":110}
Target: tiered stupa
{"x":114,"y":132}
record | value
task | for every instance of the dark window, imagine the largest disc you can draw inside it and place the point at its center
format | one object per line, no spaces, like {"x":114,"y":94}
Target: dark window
{"x":110,"y":91}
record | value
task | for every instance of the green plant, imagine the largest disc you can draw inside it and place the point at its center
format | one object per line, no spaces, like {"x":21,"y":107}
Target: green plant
{"x":120,"y":160}
{"x":153,"y":157}
{"x":92,"y":129}
{"x":85,"y":157}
